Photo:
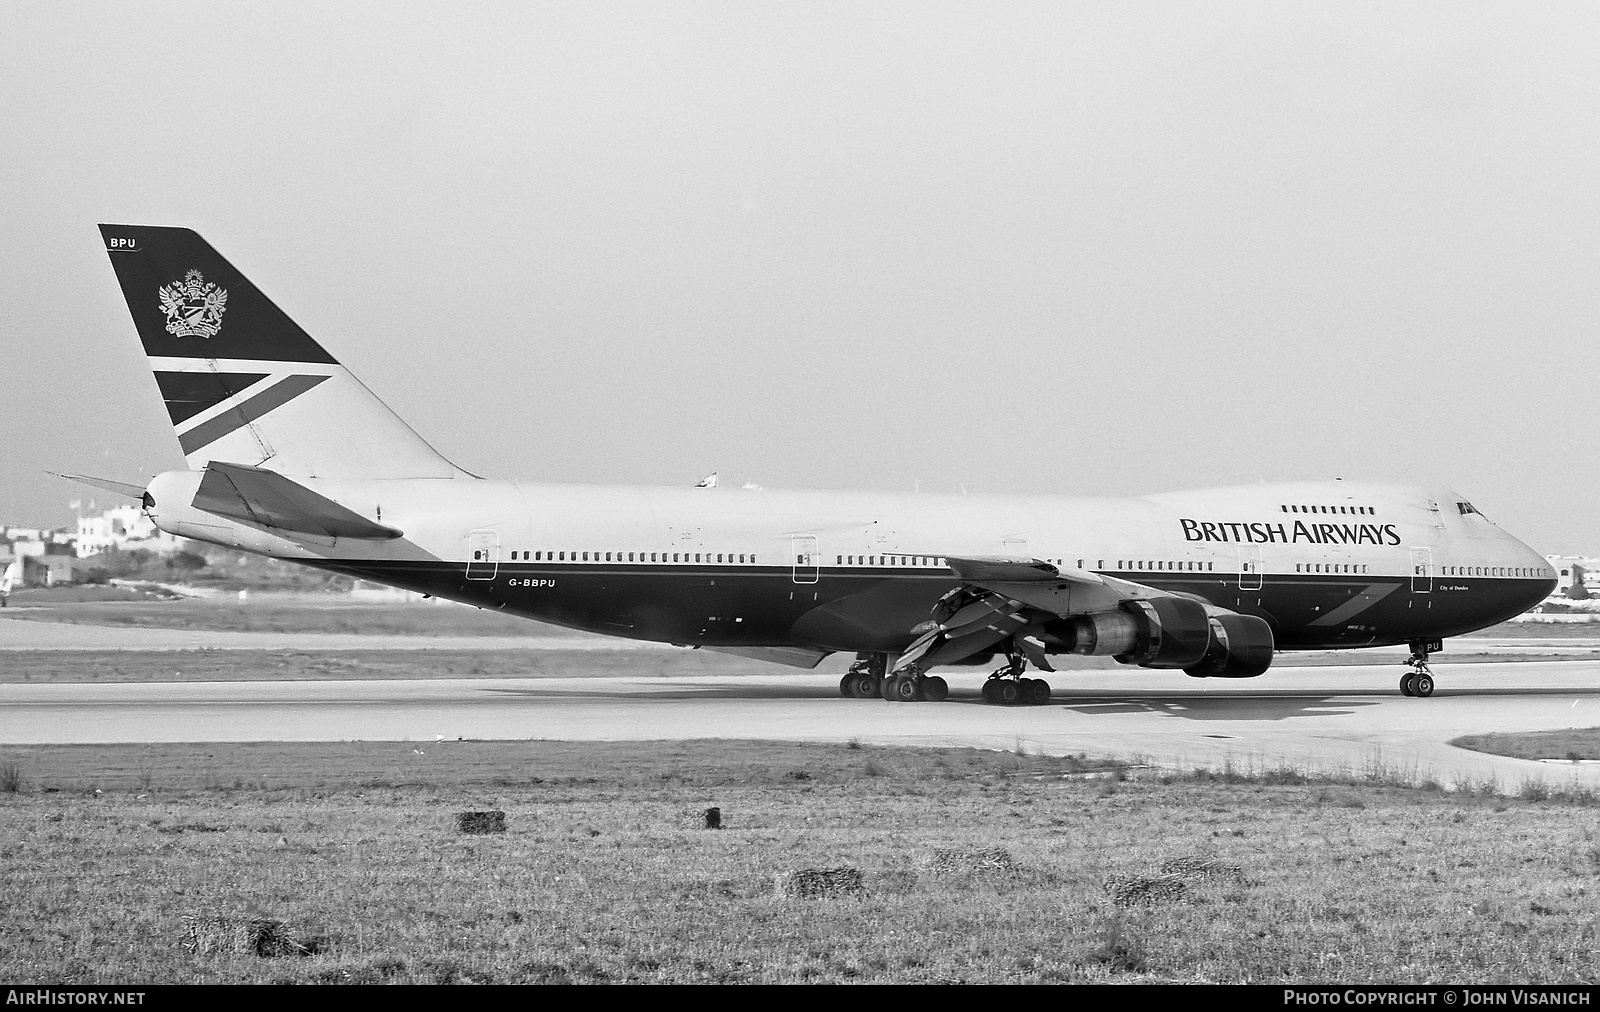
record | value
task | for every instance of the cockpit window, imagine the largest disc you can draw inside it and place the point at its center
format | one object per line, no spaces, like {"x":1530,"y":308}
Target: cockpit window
{"x":1466,"y":507}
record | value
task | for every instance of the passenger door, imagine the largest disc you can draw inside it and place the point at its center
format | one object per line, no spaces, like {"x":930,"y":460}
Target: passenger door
{"x":806,"y":559}
{"x":483,"y":555}
{"x":1421,"y":570}
{"x":1249,"y":567}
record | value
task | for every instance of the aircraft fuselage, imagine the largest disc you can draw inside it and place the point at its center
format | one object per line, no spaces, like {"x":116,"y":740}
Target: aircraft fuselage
{"x":1337,"y":564}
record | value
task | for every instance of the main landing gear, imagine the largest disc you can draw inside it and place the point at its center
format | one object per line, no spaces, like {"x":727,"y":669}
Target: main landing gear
{"x":864,"y":680}
{"x":1419,"y":680}
{"x":1009,"y":687}
{"x":869,"y":677}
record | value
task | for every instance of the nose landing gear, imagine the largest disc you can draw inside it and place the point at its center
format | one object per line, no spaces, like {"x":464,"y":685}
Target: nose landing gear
{"x":1419,"y":680}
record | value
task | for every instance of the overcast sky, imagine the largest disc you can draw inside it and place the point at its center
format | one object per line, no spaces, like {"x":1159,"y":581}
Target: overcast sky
{"x":1100,"y":248}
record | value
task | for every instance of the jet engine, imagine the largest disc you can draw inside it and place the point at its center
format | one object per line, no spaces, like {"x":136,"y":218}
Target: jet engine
{"x":1241,"y":647}
{"x":1175,"y":632}
{"x":1164,"y":632}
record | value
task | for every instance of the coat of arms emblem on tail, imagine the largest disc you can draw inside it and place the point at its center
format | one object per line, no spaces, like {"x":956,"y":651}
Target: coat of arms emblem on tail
{"x":193,"y":306}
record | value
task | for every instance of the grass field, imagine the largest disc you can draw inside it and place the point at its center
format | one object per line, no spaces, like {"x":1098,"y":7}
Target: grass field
{"x":1576,"y":744}
{"x":973,"y":866}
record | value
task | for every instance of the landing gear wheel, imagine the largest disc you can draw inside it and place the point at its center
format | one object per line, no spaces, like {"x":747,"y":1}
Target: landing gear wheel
{"x":988,"y":690}
{"x":886,"y":688}
{"x":1419,"y":680}
{"x":847,"y":684}
{"x":935,"y":689}
{"x":904,"y":688}
{"x":866,"y":685}
{"x":1006,"y":691}
{"x":1039,"y":691}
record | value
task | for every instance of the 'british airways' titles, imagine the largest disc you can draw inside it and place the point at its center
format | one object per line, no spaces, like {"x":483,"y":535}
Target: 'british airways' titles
{"x":1265,"y":533}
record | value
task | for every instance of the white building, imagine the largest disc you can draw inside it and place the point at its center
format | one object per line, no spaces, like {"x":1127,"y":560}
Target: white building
{"x":121,"y":527}
{"x":1574,"y":567}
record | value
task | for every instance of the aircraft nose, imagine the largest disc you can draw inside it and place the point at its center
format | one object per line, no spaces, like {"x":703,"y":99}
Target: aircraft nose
{"x":1542,"y":585}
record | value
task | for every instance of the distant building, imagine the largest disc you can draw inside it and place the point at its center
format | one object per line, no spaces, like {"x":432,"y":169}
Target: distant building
{"x":48,"y":570}
{"x":43,"y":564}
{"x":124,"y":527}
{"x":1583,"y":570}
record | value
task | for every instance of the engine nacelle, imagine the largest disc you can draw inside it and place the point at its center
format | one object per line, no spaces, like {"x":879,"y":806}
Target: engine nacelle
{"x":1175,"y":632}
{"x":1241,"y":647}
{"x":1164,"y":632}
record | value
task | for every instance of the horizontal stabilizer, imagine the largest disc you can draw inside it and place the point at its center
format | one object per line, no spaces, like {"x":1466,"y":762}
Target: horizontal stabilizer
{"x":257,"y":496}
{"x":135,"y":492}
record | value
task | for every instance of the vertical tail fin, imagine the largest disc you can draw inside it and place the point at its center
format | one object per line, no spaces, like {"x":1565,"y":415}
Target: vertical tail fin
{"x":242,"y":382}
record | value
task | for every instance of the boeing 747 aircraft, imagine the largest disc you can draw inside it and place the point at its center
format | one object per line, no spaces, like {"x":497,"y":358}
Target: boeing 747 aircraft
{"x":289,"y":456}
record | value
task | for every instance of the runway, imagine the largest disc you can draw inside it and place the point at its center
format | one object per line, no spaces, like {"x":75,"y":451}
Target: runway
{"x":1348,"y":719}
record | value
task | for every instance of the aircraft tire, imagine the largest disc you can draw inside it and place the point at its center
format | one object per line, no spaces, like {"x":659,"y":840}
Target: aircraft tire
{"x":886,"y":688}
{"x":847,"y":684}
{"x":1038,"y":691}
{"x":905,"y":689}
{"x":1006,"y":691}
{"x":1422,"y":686}
{"x":865,"y":686}
{"x":1405,"y":684}
{"x":935,"y":689}
{"x":988,"y":691}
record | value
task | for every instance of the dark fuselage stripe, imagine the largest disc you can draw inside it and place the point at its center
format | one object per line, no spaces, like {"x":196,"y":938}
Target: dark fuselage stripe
{"x":759,"y":605}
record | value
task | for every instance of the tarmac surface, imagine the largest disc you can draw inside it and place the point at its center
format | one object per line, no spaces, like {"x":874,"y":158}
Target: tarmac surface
{"x":20,"y":634}
{"x":1346,"y":719}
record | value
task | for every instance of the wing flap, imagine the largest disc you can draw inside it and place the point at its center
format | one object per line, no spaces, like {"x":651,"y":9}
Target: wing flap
{"x":256,"y":496}
{"x":794,"y":657}
{"x":979,"y":568}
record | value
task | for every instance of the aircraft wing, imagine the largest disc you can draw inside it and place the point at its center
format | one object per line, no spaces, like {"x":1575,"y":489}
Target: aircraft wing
{"x":1023,"y":603}
{"x":256,"y":495}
